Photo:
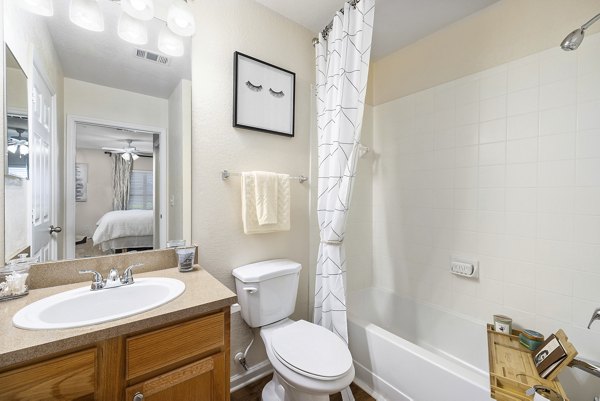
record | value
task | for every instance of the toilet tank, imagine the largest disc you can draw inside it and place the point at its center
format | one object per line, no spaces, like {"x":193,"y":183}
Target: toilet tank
{"x":267,"y":290}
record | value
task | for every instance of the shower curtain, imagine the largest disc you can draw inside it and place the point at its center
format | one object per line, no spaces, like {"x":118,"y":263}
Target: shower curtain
{"x":342,"y":63}
{"x":121,"y":181}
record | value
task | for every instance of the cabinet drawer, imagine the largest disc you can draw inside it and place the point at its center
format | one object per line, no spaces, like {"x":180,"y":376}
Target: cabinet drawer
{"x":166,"y":347}
{"x":70,"y":377}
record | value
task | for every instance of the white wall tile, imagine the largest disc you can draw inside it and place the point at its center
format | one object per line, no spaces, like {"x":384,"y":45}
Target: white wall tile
{"x":492,"y":131}
{"x":491,"y":176}
{"x":556,"y":173}
{"x":492,"y":153}
{"x":585,"y":286}
{"x":523,"y":101}
{"x":554,"y":305}
{"x":467,"y":113}
{"x":557,"y":147}
{"x":465,"y":220}
{"x":554,"y":226}
{"x":521,"y":224}
{"x":492,"y":199}
{"x":467,"y":135}
{"x":523,"y":74}
{"x":588,"y":116}
{"x":522,"y":151}
{"x":555,"y":200}
{"x":521,"y":175}
{"x":588,"y":172}
{"x":466,"y":177}
{"x":520,"y":273}
{"x":491,"y":222}
{"x":467,"y":91}
{"x":523,"y":126}
{"x":466,"y":199}
{"x":588,"y":87}
{"x":493,"y":85}
{"x":521,"y":199}
{"x":587,"y":200}
{"x":556,"y":65}
{"x":493,"y":108}
{"x":558,"y":121}
{"x":587,"y":228}
{"x":588,"y":144}
{"x":554,"y":280}
{"x":558,"y":94}
{"x":467,"y":156}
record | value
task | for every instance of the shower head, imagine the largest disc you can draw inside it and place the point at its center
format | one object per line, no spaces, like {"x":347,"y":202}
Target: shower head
{"x":574,"y":39}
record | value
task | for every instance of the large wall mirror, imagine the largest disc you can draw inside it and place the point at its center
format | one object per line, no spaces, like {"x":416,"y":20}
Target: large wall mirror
{"x":98,"y":128}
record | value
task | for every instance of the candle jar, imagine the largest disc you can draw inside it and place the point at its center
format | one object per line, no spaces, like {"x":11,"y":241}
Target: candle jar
{"x":14,"y":278}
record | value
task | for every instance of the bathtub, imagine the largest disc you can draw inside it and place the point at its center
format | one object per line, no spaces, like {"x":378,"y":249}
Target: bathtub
{"x":408,"y":351}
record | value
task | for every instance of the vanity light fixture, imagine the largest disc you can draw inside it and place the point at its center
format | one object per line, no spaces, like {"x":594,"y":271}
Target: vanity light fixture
{"x":129,"y":156}
{"x":39,"y":7}
{"x":180,"y":19}
{"x":169,"y":43}
{"x":87,"y":14}
{"x":140,"y":9}
{"x":132,"y":30}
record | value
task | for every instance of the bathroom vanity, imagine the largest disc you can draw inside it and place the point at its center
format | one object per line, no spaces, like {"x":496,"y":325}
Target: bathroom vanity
{"x":178,"y":351}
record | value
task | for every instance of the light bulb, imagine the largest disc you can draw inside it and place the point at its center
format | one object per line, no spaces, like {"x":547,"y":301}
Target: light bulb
{"x":140,"y":9}
{"x":126,"y":156}
{"x":169,"y":43}
{"x":24,"y":149}
{"x":39,"y":7}
{"x":132,"y":30}
{"x":134,"y":156}
{"x":87,"y":14}
{"x":12,"y":148}
{"x":180,"y":19}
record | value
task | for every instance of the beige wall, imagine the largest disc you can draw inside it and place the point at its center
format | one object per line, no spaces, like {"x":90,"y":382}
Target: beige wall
{"x":224,"y":27}
{"x":505,"y":31}
{"x":180,"y":125}
{"x":99,"y":188}
{"x":97,"y":101}
{"x":28,"y":38}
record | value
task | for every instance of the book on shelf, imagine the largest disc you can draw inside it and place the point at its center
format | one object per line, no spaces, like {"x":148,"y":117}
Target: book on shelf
{"x":549,"y":356}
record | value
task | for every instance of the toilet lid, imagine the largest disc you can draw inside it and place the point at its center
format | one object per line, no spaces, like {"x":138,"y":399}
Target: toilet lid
{"x":311,"y":350}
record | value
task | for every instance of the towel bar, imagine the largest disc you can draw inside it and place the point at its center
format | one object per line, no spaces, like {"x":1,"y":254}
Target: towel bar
{"x":225,"y":174}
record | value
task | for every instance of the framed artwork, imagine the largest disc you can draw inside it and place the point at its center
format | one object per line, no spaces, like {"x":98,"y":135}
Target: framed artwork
{"x":263,"y":96}
{"x":81,"y":180}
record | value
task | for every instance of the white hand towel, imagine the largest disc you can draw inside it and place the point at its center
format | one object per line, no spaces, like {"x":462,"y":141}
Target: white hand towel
{"x":249,"y":217}
{"x":265,"y":194}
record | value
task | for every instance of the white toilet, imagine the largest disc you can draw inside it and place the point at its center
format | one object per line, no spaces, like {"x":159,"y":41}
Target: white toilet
{"x":309,"y":361}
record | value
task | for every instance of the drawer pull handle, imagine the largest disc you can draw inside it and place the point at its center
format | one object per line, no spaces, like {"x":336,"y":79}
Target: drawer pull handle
{"x":138,"y":397}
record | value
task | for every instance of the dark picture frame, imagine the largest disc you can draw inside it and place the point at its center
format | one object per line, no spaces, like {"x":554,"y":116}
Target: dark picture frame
{"x":264,"y":96}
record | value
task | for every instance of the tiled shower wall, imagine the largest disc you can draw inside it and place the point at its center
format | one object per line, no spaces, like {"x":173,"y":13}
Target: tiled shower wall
{"x":502,"y":167}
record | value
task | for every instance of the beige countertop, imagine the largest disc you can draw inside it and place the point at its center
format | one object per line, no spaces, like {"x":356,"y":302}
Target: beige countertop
{"x":203,"y":294}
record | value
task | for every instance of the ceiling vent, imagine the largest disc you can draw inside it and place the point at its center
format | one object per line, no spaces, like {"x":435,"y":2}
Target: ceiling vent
{"x":150,"y":56}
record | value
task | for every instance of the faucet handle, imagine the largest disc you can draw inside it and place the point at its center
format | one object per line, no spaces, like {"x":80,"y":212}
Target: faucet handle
{"x":128,"y":273}
{"x":97,"y":280}
{"x":595,"y":316}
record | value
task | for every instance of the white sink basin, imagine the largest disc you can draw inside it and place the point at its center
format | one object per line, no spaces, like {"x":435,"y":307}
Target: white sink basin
{"x":83,"y":307}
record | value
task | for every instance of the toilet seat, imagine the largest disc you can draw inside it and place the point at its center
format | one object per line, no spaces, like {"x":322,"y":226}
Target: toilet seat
{"x":311,"y":351}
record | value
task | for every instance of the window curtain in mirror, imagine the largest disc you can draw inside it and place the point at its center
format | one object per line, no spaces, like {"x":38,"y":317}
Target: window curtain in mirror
{"x":121,"y":181}
{"x":342,"y":64}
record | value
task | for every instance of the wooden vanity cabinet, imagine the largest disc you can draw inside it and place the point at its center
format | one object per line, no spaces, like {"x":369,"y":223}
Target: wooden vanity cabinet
{"x":186,"y":361}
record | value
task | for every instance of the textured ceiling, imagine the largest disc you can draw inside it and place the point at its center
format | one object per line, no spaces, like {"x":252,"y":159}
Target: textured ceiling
{"x":94,"y":137}
{"x":105,"y":59}
{"x":398,"y":23}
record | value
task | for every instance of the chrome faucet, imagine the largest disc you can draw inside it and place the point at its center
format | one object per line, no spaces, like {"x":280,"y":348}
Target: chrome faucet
{"x":113,"y":279}
{"x":595,"y":316}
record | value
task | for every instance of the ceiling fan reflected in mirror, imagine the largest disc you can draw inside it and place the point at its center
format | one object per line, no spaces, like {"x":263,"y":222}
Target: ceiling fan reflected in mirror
{"x":128,"y":152}
{"x":18,"y":145}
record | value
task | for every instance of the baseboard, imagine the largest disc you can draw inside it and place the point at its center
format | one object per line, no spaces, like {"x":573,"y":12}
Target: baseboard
{"x":253,"y":374}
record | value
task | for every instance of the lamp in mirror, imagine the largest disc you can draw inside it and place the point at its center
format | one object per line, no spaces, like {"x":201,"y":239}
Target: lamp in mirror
{"x":132,"y":30}
{"x":180,"y":18}
{"x":86,"y":14}
{"x":169,"y":43}
{"x":140,"y":9}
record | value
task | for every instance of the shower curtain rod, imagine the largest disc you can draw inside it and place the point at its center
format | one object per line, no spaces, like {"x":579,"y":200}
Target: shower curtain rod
{"x":328,"y":27}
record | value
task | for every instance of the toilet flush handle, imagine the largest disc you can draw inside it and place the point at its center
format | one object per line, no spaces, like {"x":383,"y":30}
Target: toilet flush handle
{"x":251,"y":290}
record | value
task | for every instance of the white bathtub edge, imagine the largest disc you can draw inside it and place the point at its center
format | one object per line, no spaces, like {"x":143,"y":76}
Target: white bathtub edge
{"x":382,"y":388}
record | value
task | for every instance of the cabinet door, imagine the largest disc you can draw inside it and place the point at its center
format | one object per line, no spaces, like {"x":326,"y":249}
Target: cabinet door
{"x":70,"y":377}
{"x":199,"y":381}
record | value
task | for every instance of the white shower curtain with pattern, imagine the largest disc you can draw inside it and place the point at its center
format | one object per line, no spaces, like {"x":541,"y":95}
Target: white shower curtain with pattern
{"x":342,"y":63}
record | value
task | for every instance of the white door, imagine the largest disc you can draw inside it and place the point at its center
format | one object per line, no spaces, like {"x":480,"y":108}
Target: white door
{"x":43,"y":241}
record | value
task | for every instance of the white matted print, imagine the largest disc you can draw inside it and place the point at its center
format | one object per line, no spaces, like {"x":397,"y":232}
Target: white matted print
{"x":81,"y":180}
{"x":263,"y":96}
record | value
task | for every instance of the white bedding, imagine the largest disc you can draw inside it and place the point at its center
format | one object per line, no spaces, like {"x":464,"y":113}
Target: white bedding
{"x":124,"y":223}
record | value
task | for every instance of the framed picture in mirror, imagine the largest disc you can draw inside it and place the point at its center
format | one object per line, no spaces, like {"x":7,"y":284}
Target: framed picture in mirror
{"x":263,"y":96}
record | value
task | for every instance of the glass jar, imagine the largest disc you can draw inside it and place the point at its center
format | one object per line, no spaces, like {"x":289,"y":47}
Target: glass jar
{"x":14,"y":278}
